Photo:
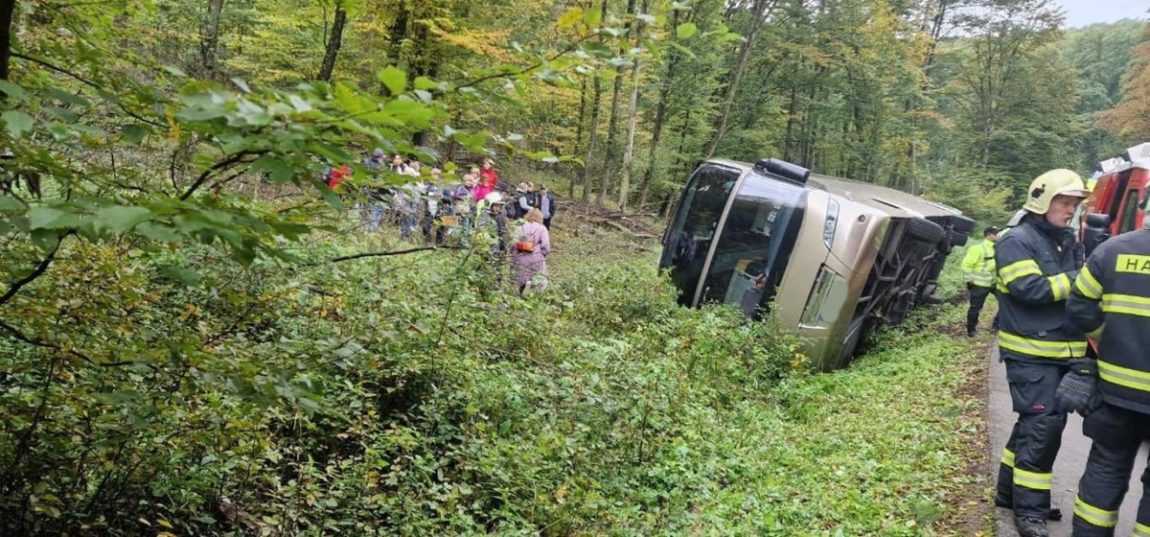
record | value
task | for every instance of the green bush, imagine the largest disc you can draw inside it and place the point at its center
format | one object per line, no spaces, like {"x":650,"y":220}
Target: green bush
{"x":408,"y":395}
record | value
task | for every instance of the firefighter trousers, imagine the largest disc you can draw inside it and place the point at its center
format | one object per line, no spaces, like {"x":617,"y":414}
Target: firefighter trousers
{"x":1025,"y":473}
{"x":977,"y":301}
{"x":1117,"y":434}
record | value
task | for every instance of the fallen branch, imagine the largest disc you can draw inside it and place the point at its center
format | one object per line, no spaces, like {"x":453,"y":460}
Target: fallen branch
{"x":611,"y":223}
{"x":388,"y":254}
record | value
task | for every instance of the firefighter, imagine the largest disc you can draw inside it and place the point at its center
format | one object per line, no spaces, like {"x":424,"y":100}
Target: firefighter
{"x":1113,"y":291}
{"x":1036,"y":264}
{"x":978,"y":270}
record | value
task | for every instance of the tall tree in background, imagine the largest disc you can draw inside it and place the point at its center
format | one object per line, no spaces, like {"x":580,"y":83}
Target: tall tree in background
{"x":661,"y":108}
{"x":210,"y":38}
{"x":334,"y":41}
{"x":1004,"y":34}
{"x":1129,"y":120}
{"x":596,"y":95}
{"x":609,"y":162}
{"x":633,"y":119}
{"x":1101,"y":54}
{"x":758,"y":14}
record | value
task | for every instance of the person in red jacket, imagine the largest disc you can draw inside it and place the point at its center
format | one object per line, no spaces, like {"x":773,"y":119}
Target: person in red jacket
{"x":488,"y":177}
{"x":338,"y":175}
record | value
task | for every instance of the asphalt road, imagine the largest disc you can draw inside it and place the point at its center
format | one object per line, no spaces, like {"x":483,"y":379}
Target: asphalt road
{"x":1067,"y":468}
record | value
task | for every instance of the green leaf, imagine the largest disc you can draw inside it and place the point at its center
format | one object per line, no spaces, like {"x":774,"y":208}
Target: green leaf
{"x":684,"y":50}
{"x":351,"y":101}
{"x":278,"y":170}
{"x":12,"y":90}
{"x":473,"y":141}
{"x":393,"y":78}
{"x":424,"y":83}
{"x":133,"y":134}
{"x":158,"y":232}
{"x":118,"y":218}
{"x":45,"y":239}
{"x":569,"y":18}
{"x":51,"y":218}
{"x":686,"y":30}
{"x":8,"y":204}
{"x":16,"y":122}
{"x":181,"y":274}
{"x":332,"y":199}
{"x":299,"y":103}
{"x":68,"y":97}
{"x":240,"y":83}
{"x":412,"y":113}
{"x":592,"y":17}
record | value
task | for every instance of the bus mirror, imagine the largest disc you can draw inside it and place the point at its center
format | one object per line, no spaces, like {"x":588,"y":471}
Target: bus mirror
{"x":1098,"y":220}
{"x":784,"y":169}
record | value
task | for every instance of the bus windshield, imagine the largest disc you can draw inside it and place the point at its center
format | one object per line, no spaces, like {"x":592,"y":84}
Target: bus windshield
{"x":755,"y":243}
{"x":689,"y":237}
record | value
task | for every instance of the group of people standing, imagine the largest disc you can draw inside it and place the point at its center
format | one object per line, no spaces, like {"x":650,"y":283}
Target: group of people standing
{"x":1074,"y":333}
{"x":519,"y":221}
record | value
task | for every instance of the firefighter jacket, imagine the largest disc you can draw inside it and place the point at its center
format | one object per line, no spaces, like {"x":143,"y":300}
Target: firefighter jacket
{"x":1113,"y":291}
{"x":1036,"y":264}
{"x":978,"y":264}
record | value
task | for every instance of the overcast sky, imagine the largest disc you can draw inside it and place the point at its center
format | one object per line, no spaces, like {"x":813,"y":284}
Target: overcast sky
{"x":1083,"y":12}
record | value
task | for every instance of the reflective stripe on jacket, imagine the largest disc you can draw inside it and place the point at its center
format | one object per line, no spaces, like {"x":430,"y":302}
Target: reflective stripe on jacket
{"x":978,"y":264}
{"x":1036,"y":266}
{"x":1111,"y":300}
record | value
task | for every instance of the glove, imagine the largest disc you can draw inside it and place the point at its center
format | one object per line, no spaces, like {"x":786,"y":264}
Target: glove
{"x":1078,"y":391}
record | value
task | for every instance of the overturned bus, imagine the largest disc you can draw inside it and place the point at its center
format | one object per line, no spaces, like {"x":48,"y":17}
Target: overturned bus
{"x":834,"y":258}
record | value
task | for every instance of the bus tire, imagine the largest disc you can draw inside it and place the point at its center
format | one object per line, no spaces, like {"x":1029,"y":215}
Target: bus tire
{"x":924,"y":230}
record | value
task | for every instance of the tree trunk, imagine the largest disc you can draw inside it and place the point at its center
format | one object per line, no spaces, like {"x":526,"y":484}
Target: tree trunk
{"x":579,"y":130}
{"x":334,"y":41}
{"x":597,"y":93}
{"x":788,"y":135}
{"x":629,"y":152}
{"x":585,"y":180}
{"x":683,"y":139}
{"x":613,"y":121}
{"x":398,"y":33}
{"x":210,"y":39}
{"x":660,"y":114}
{"x":427,"y":65}
{"x":7,"y":9}
{"x":758,"y":14}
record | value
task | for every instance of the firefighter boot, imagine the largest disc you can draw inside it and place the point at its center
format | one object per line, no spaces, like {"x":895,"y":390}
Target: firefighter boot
{"x":1029,"y":526}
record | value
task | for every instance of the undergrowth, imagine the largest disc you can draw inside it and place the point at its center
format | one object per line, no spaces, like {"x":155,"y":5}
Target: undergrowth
{"x":414,"y":395}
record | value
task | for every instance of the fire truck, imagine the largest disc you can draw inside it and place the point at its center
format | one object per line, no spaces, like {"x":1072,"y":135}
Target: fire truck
{"x":1118,"y":201}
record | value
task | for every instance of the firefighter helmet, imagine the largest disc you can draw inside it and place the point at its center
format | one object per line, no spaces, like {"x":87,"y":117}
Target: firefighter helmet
{"x":1059,"y":182}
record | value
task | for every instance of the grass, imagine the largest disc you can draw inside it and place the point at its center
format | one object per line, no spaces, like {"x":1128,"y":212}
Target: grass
{"x":876,"y":449}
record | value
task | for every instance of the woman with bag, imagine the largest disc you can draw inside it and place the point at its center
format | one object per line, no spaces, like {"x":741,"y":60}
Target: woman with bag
{"x":529,"y":253}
